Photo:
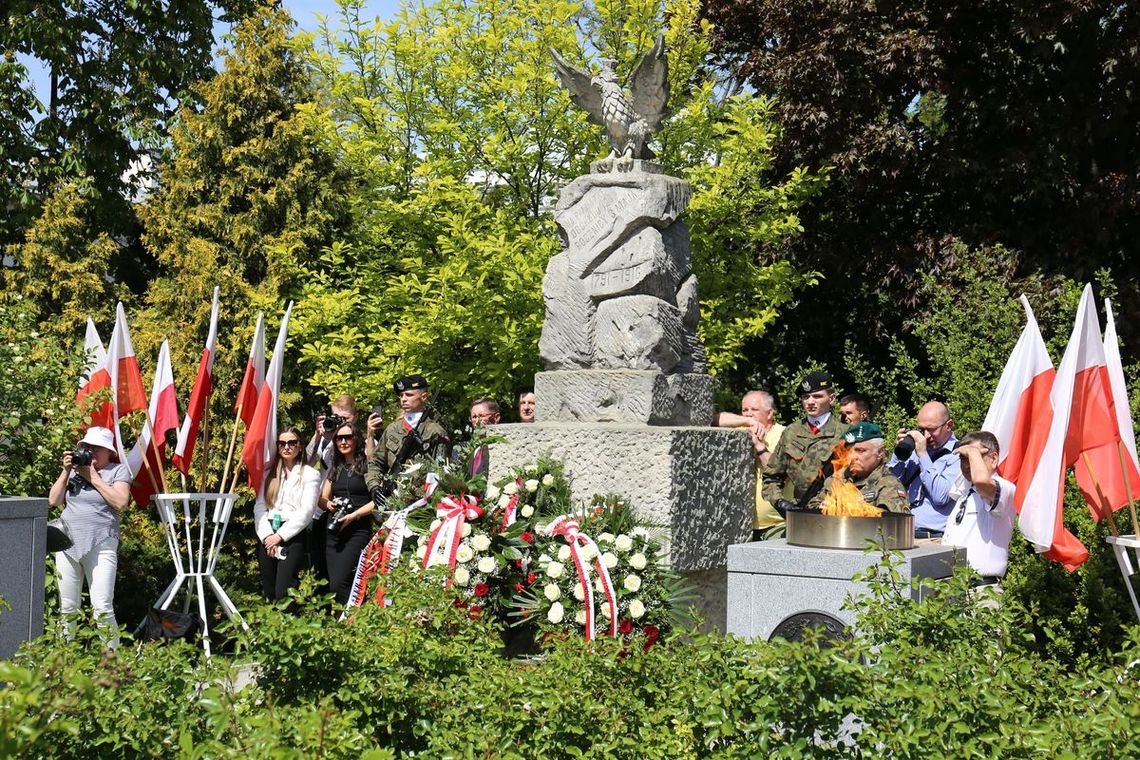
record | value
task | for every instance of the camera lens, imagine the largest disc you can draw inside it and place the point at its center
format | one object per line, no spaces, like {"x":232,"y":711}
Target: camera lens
{"x":904,"y":448}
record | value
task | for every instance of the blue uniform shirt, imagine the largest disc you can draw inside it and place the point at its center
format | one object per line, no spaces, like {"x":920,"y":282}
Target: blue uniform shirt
{"x":928,"y":480}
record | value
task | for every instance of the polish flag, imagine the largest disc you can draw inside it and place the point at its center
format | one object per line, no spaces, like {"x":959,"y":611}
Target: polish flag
{"x":261,"y":437}
{"x":123,"y":370}
{"x":1021,"y":411}
{"x":254,"y":377}
{"x":1098,"y":463}
{"x":1119,"y":391}
{"x":95,"y":377}
{"x":1083,"y":421}
{"x":146,"y":460}
{"x":199,"y":396}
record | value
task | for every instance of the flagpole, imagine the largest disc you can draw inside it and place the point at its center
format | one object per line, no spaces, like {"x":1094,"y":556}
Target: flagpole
{"x":205,"y":442}
{"x":1128,"y":488}
{"x":1104,"y":509}
{"x":157,"y":454}
{"x":233,"y":443}
{"x":146,"y":461}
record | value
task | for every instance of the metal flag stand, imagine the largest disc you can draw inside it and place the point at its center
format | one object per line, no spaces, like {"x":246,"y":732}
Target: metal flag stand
{"x":1120,"y":546}
{"x":194,"y":558}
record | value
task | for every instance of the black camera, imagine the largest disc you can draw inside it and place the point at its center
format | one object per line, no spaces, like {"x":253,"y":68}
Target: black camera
{"x":332,"y":422}
{"x":904,"y":448}
{"x":342,"y":506}
{"x":81,"y":458}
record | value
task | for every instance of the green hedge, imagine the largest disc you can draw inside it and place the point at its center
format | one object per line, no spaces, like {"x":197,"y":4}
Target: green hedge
{"x":945,"y":678}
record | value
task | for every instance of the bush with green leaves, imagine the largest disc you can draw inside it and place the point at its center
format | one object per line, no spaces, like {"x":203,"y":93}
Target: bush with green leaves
{"x":945,"y":677}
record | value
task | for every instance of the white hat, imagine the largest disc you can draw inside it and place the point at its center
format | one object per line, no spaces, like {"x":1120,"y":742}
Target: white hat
{"x":99,"y":436}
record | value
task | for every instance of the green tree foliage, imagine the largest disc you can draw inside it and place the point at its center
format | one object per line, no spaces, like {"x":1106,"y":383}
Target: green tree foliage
{"x":252,"y":193}
{"x":454,"y":114}
{"x":1006,"y":123}
{"x":117,"y":72}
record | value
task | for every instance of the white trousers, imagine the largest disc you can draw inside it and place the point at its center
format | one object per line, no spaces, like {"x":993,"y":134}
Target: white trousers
{"x":98,"y":567}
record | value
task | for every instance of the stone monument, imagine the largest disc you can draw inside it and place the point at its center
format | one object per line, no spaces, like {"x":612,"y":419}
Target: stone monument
{"x":626,"y":398}
{"x":23,"y":545}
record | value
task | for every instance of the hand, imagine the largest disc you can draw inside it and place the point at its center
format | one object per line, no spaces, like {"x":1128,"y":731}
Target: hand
{"x":375,"y":423}
{"x":919,"y":442}
{"x":901,"y":434}
{"x":346,"y":519}
{"x":783,"y":505}
{"x":964,"y":450}
{"x":67,"y":462}
{"x":320,"y":428}
{"x":273,"y":541}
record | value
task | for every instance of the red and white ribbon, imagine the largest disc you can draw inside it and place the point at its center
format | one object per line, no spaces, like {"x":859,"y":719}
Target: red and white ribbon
{"x":567,"y":526}
{"x":452,"y":512}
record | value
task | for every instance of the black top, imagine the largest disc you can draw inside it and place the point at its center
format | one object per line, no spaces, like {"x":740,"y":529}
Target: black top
{"x":351,"y":484}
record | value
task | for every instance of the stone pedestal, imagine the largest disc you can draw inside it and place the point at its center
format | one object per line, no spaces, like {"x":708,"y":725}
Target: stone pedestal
{"x":772,"y":585}
{"x":637,"y":396}
{"x":23,"y":546}
{"x":697,"y":483}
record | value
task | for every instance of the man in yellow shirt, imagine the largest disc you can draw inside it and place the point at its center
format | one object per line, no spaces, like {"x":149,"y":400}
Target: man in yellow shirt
{"x":757,"y":413}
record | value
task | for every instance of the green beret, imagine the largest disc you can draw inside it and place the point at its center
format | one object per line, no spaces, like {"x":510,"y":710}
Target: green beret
{"x":862,"y":431}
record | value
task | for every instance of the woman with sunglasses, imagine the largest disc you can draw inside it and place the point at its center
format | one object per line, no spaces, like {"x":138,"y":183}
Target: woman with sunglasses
{"x":346,"y":494}
{"x":282,"y":515}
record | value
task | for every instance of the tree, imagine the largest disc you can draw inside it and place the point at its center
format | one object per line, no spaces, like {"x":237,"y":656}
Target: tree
{"x":1006,"y":123}
{"x":117,"y":74}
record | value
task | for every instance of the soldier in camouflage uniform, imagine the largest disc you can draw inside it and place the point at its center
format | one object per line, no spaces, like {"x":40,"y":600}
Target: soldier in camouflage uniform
{"x":435,"y":444}
{"x":867,"y":471}
{"x":805,"y":445}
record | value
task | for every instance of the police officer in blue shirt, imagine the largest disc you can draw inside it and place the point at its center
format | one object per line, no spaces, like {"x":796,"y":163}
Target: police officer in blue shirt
{"x":926,"y":469}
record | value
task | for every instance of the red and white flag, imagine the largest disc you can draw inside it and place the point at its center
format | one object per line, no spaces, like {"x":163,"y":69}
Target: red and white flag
{"x":95,"y":377}
{"x":254,"y":376}
{"x":1020,"y":413}
{"x":1119,"y":391}
{"x":126,"y":381}
{"x":261,"y":437}
{"x":1105,"y":478}
{"x":199,"y":396}
{"x":1083,"y":421}
{"x":147,"y":460}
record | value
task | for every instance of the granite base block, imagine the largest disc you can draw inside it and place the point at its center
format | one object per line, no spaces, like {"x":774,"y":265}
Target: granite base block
{"x":644,"y":397}
{"x":770,"y":582}
{"x":696,"y":483}
{"x":23,"y":545}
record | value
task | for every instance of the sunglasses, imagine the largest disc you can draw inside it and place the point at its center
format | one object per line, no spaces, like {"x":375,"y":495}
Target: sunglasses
{"x":344,"y":438}
{"x":288,"y":444}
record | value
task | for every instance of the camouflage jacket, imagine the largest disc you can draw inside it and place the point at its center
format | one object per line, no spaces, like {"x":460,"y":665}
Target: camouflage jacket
{"x":435,"y":445}
{"x":795,"y":463}
{"x":879,"y":487}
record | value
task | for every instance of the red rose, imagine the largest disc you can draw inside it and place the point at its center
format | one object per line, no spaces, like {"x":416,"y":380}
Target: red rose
{"x":474,"y":612}
{"x":531,"y":578}
{"x":481,"y":589}
{"x":519,"y":587}
{"x":651,"y":636}
{"x":625,"y":628}
{"x":527,"y":536}
{"x":518,"y":564}
{"x":460,"y":604}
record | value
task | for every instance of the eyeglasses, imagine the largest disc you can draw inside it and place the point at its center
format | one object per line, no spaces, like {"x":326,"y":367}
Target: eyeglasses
{"x":288,"y":444}
{"x":344,"y":438}
{"x":932,"y":430}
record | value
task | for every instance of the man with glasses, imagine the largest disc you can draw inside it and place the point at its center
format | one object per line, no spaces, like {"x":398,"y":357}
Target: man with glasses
{"x":981,"y":520}
{"x":483,"y":411}
{"x":928,"y":472}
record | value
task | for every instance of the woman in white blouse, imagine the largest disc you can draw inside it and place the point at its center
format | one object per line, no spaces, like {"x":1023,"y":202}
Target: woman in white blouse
{"x":282,"y":515}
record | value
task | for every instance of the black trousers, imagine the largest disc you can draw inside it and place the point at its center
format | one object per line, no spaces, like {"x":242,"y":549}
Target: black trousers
{"x":280,"y":575}
{"x":342,"y":553}
{"x":318,"y":538}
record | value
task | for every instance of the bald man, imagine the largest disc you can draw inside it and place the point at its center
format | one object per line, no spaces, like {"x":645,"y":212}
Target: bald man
{"x":929,"y":473}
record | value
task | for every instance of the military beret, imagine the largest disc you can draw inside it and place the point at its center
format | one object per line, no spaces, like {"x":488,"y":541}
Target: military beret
{"x":816,"y":381}
{"x":410,"y":383}
{"x":862,"y":431}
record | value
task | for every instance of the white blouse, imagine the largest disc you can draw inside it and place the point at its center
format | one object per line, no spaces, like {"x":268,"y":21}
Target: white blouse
{"x":296,"y":499}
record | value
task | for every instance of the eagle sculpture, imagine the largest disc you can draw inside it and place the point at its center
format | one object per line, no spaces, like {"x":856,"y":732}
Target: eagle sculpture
{"x":629,"y":121}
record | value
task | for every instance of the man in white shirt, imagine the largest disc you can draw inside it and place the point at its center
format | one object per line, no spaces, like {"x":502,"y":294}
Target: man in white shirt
{"x":981,"y":520}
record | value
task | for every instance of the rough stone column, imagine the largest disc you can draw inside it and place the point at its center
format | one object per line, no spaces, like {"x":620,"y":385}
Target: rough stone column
{"x":23,"y":545}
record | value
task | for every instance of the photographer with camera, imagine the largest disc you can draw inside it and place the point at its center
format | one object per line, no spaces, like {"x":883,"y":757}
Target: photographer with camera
{"x":346,"y":499}
{"x":282,"y":515}
{"x":416,"y":435}
{"x":922,"y":463}
{"x":95,"y":491}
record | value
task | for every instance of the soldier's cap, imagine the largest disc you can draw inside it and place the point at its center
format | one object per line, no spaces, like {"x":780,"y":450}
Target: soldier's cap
{"x":816,"y":381}
{"x":410,"y":383}
{"x":862,"y":431}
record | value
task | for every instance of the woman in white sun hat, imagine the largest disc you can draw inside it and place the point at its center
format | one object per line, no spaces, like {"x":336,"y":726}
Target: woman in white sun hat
{"x":95,"y":494}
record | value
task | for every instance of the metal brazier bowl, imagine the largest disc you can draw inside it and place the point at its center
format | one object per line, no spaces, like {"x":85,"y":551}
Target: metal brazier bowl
{"x":827,"y":532}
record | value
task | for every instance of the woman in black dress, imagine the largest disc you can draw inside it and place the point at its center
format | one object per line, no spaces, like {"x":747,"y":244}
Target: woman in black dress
{"x":346,"y":493}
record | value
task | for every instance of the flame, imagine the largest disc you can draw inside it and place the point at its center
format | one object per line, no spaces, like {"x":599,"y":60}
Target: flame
{"x":845,"y":499}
